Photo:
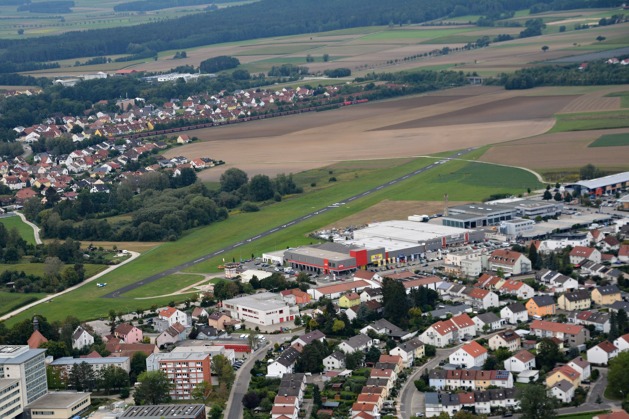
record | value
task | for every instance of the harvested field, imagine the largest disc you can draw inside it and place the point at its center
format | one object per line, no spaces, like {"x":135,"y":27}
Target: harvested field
{"x":595,"y":101}
{"x":390,"y":210}
{"x":511,"y":109}
{"x":313,"y":140}
{"x":559,"y":150}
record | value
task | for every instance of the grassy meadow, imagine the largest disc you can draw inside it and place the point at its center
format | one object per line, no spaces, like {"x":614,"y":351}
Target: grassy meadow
{"x":591,"y":120}
{"x":611,"y":140}
{"x":26,"y":231}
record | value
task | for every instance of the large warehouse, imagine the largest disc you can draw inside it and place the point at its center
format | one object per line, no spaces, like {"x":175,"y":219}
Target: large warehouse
{"x":606,"y":185}
{"x":409,"y":239}
{"x":333,"y":258}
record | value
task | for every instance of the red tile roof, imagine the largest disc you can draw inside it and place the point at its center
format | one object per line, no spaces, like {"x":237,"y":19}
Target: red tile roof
{"x":474,"y":348}
{"x":570,"y":329}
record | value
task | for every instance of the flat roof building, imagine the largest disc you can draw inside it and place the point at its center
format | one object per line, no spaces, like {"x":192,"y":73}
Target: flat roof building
{"x":59,"y":405}
{"x":165,"y":411}
{"x":333,"y":258}
{"x":478,"y":215}
{"x":22,"y":378}
{"x":184,"y":370}
{"x":605,"y":185}
{"x":263,"y":309}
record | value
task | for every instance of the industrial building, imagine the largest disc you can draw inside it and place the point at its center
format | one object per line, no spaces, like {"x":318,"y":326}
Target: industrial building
{"x":408,"y":240}
{"x":478,"y":215}
{"x":166,"y":411}
{"x":606,"y":185}
{"x":263,"y":309}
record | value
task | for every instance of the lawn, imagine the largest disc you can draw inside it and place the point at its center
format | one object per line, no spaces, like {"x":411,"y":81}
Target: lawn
{"x":589,"y":415}
{"x":611,"y":140}
{"x":24,"y":229}
{"x":198,"y":242}
{"x":38,"y":268}
{"x":166,"y":285}
{"x":591,"y":120}
{"x":12,"y":300}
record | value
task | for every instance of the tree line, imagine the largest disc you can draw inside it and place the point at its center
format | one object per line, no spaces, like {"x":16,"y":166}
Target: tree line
{"x":241,"y":23}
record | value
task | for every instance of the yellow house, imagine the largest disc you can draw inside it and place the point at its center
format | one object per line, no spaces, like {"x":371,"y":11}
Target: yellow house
{"x":483,"y":379}
{"x":541,"y":306}
{"x":575,"y":300}
{"x":563,"y":373}
{"x":349,"y":300}
{"x":608,"y":294}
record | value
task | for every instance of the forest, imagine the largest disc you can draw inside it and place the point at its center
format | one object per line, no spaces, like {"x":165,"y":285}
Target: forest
{"x":265,"y":18}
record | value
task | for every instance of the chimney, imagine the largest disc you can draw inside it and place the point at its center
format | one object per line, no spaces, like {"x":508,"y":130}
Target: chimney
{"x":35,"y":323}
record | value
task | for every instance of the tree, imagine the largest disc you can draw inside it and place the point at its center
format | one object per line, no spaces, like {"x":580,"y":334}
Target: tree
{"x":617,"y":378}
{"x":154,"y":388}
{"x":548,"y":355}
{"x":223,"y":369}
{"x":536,"y":262}
{"x":20,"y":31}
{"x":545,"y":48}
{"x":354,"y":360}
{"x":311,"y":359}
{"x":137,"y":366}
{"x":326,"y":58}
{"x":309,"y":58}
{"x":261,"y":188}
{"x":232,"y":179}
{"x":547,"y":196}
{"x":251,"y":400}
{"x":373,"y":354}
{"x":338,"y":326}
{"x":113,"y":378}
{"x":558,"y":197}
{"x":600,"y":38}
{"x":395,"y":302}
{"x":202,"y":392}
{"x":216,"y":64}
{"x":535,"y":403}
{"x":316,"y":396}
{"x":614,"y":330}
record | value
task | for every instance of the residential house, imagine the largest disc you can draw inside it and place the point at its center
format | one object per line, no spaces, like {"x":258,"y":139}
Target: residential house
{"x":580,"y":253}
{"x":556,"y":281}
{"x":173,"y":315}
{"x":385,"y":327}
{"x":81,"y":339}
{"x":481,"y":298}
{"x":334,"y":361}
{"x":349,"y":300}
{"x":356,"y":343}
{"x":509,"y":262}
{"x":515,"y":313}
{"x":173,"y":334}
{"x":610,"y":243}
{"x":488,"y":322}
{"x":507,"y":339}
{"x":295,"y":297}
{"x":563,"y":372}
{"x":522,"y":361}
{"x":218,"y":320}
{"x":540,"y":306}
{"x":409,"y":351}
{"x":574,"y":300}
{"x":602,"y":353}
{"x":206,"y":332}
{"x":371,"y":294}
{"x":600,"y":321}
{"x":443,"y":333}
{"x":606,"y":295}
{"x":199,"y":312}
{"x":517,"y":288}
{"x":563,"y":391}
{"x":307,"y":339}
{"x":623,"y":253}
{"x":622,"y":343}
{"x":572,"y":335}
{"x":284,"y":364}
{"x":470,"y":355}
{"x":582,"y":367}
{"x":128,"y":333}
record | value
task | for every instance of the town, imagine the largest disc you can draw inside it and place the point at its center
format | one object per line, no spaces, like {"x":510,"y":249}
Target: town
{"x":442,"y":313}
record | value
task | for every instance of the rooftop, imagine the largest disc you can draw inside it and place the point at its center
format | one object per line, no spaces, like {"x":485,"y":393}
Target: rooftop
{"x":58,"y":400}
{"x":263,"y":301}
{"x":165,"y":411}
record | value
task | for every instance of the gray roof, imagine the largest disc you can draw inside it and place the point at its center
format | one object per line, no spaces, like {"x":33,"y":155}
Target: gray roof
{"x":604,"y":181}
{"x":488,"y":317}
{"x":338,"y":355}
{"x":454,"y":310}
{"x":544,"y":300}
{"x":68,"y":360}
{"x":411,"y":345}
{"x":516,"y":307}
{"x":608,"y":290}
{"x":438,"y":374}
{"x":358,"y":340}
{"x":7,"y":350}
{"x":390,"y":328}
{"x":619,"y":305}
{"x":563,"y":385}
{"x":288,"y":357}
{"x":432,"y":398}
{"x":57,"y":400}
{"x":166,"y":411}
{"x":312,"y":336}
{"x":577,"y":295}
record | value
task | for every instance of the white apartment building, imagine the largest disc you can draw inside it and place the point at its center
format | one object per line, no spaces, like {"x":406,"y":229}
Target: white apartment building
{"x":22,"y":378}
{"x":184,"y":370}
{"x":263,"y":309}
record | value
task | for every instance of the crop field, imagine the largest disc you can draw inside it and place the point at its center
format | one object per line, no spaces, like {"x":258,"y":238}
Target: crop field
{"x":624,"y":98}
{"x":591,"y":121}
{"x":412,"y":126}
{"x":611,"y":140}
{"x":26,"y":231}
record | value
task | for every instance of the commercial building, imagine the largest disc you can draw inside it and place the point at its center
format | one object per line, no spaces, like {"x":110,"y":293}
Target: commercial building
{"x":606,"y":185}
{"x":58,"y":405}
{"x":408,"y":240}
{"x":22,"y":378}
{"x":333,"y":258}
{"x":478,"y":215}
{"x":263,"y":309}
{"x":184,"y":370}
{"x":517,"y":227}
{"x":66,"y":363}
{"x":166,"y":411}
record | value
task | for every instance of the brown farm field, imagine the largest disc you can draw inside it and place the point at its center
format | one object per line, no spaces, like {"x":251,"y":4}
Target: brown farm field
{"x":454,"y":119}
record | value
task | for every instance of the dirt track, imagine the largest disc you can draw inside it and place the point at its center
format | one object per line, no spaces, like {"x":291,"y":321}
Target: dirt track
{"x":372,"y":131}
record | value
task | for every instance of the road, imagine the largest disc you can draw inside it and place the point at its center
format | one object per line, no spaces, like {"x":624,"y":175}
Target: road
{"x":33,"y":226}
{"x":234,"y":409}
{"x":225,"y":250}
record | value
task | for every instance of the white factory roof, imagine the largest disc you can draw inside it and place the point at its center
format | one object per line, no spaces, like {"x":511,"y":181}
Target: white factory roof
{"x":604,"y":181}
{"x":407,"y":231}
{"x":264,"y":301}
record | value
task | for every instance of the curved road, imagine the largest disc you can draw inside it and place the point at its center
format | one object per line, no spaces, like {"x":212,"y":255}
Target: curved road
{"x":120,"y":291}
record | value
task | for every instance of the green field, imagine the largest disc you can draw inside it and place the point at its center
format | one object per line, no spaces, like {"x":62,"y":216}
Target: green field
{"x":624,"y":98}
{"x":24,"y":229}
{"x":12,"y":300}
{"x":38,"y":268}
{"x":166,"y":285}
{"x":414,"y":34}
{"x":198,"y":242}
{"x":591,"y":120}
{"x":611,"y":140}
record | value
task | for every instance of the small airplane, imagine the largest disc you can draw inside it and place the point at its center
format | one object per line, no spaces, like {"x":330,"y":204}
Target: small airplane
{"x":101,"y":284}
